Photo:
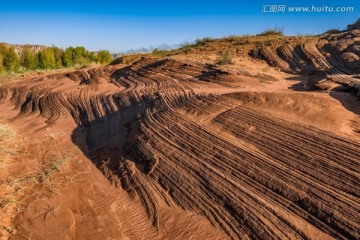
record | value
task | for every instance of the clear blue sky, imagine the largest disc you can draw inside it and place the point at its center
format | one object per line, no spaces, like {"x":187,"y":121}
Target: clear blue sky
{"x":122,"y":25}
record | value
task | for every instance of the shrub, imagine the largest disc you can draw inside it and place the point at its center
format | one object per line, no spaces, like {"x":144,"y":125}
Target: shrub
{"x":203,"y":41}
{"x":159,"y":52}
{"x":1,"y":63}
{"x":104,"y":57}
{"x":186,"y":44}
{"x":276,"y":31}
{"x":224,"y":58}
{"x":155,"y":51}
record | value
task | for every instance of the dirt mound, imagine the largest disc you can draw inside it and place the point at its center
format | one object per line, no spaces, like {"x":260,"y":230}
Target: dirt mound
{"x":335,"y":55}
{"x":320,"y":55}
{"x":305,"y":108}
{"x":182,"y":162}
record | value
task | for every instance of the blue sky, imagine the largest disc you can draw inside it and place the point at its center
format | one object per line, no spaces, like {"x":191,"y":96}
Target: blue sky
{"x":123,"y":25}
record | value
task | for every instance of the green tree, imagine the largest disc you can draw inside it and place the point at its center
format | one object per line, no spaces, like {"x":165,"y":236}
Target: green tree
{"x":29,"y":59}
{"x":67,"y":57}
{"x":11,"y":60}
{"x":90,"y":56}
{"x":47,"y":58}
{"x":3,"y":48}
{"x":58,"y":56}
{"x":79,"y":55}
{"x":104,"y":57}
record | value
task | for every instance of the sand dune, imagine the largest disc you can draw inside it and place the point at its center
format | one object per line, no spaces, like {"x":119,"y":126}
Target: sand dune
{"x":173,"y":149}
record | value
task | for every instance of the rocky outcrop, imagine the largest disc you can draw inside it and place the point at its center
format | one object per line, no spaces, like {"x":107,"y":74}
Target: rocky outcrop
{"x":354,"y":26}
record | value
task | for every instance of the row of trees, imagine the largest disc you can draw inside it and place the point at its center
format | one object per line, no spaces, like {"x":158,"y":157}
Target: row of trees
{"x":49,"y":58}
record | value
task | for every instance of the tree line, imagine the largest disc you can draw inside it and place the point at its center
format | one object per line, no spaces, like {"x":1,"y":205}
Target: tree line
{"x":49,"y":58}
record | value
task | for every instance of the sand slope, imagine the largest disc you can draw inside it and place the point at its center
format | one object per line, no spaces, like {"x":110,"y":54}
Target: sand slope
{"x":168,"y":149}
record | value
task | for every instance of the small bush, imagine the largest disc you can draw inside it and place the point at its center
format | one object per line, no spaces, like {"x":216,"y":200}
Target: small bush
{"x":224,"y":58}
{"x":159,"y":52}
{"x":186,"y":44}
{"x":203,"y":41}
{"x":155,"y":51}
{"x":104,"y":57}
{"x":276,"y":31}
